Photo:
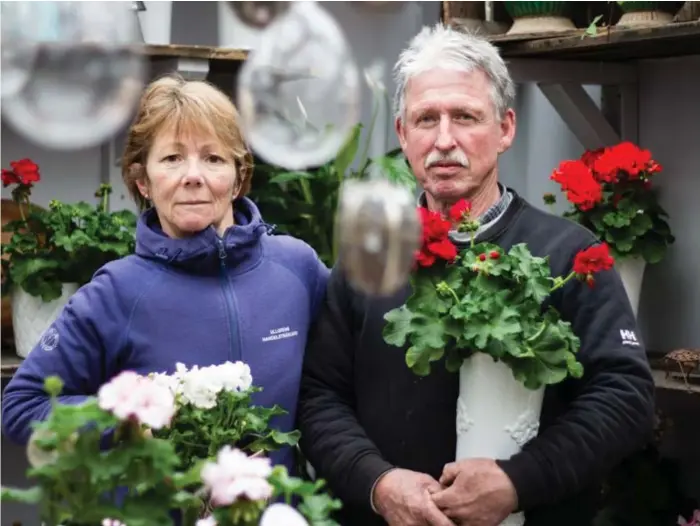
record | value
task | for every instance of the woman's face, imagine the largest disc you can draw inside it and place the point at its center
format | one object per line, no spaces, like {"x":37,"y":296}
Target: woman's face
{"x":191,"y":181}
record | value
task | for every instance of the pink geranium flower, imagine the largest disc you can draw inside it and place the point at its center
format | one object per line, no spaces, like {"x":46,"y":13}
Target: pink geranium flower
{"x":235,"y":475}
{"x":131,"y":396}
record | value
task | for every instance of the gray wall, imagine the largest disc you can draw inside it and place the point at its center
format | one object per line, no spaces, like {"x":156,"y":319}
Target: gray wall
{"x":670,"y":112}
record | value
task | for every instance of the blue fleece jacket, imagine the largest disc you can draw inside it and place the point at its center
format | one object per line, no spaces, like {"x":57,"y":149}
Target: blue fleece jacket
{"x":246,"y":295}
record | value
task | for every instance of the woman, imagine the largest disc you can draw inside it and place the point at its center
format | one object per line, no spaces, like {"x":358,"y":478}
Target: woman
{"x":208,"y":283}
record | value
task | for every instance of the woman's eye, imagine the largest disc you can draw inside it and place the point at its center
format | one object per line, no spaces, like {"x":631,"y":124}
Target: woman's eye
{"x":216,"y":159}
{"x":171,"y":158}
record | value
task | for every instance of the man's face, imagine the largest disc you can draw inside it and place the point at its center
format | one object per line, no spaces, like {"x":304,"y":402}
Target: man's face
{"x":451,"y":134}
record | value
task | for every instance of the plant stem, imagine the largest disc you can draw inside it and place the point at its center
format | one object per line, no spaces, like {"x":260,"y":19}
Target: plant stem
{"x":559,"y":284}
{"x":21,"y":209}
{"x":538,"y":333}
{"x":449,"y":289}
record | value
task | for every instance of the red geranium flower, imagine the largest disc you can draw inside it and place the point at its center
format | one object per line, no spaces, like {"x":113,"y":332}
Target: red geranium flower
{"x":435,"y":243}
{"x":576,"y":179}
{"x":24,"y":171}
{"x":625,"y":157}
{"x":592,"y":260}
{"x":460,"y":210}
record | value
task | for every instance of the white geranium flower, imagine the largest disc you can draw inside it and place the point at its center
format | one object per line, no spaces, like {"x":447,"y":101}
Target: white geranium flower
{"x":236,"y":475}
{"x":112,"y":522}
{"x":166,"y":380}
{"x":234,"y":376}
{"x":198,"y":390}
{"x":208,"y":521}
{"x":282,"y":515}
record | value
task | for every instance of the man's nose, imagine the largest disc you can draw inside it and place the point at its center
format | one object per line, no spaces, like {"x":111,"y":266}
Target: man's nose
{"x":445,"y":140}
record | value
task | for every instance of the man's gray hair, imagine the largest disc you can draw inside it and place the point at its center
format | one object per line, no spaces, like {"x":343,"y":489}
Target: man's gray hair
{"x":443,"y":47}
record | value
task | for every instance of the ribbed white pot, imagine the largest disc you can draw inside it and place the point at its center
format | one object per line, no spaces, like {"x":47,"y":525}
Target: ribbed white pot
{"x":496,"y":414}
{"x":631,"y":271}
{"x":31,"y":316}
{"x":651,"y":18}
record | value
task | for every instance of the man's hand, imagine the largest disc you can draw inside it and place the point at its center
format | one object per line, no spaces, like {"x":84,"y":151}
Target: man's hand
{"x":477,"y":492}
{"x":402,"y":497}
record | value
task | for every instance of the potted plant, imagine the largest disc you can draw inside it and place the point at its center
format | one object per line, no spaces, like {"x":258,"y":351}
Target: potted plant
{"x":52,"y":252}
{"x":539,"y":17}
{"x":611,"y":193}
{"x":101,"y":462}
{"x":481,"y":310}
{"x":305,"y":203}
{"x":647,"y":14}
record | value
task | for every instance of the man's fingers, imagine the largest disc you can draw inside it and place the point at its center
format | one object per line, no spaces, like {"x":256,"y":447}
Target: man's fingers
{"x":449,"y":473}
{"x":444,"y":499}
{"x":433,"y":515}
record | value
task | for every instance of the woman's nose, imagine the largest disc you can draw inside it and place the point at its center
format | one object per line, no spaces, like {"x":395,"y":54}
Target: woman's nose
{"x":194,"y":175}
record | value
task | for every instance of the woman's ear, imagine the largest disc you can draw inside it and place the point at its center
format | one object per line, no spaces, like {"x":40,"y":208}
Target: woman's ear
{"x":136,"y":171}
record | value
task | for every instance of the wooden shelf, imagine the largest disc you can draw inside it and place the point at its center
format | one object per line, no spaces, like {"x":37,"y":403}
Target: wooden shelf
{"x":9,"y":363}
{"x":610,"y":44}
{"x":674,"y":383}
{"x":195,"y":52}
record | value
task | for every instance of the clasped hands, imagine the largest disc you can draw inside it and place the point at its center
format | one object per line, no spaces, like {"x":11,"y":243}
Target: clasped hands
{"x":472,"y":492}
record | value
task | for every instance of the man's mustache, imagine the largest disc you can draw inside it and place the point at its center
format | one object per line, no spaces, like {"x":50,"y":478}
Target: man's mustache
{"x":454,"y":156}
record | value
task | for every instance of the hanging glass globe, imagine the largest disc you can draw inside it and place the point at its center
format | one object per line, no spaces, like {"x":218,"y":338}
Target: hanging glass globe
{"x":299,"y":91}
{"x":18,"y":49}
{"x":88,"y":73}
{"x":378,"y":233}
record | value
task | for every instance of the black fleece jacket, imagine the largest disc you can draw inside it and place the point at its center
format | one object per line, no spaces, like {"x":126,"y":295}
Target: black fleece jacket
{"x":362,"y":411}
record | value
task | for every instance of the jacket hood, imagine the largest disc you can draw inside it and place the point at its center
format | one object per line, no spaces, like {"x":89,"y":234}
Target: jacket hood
{"x":239,"y":246}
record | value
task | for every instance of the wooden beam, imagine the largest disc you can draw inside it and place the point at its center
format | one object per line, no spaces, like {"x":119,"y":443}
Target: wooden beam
{"x":580,"y":114}
{"x":188,"y":68}
{"x":577,"y":72}
{"x":205,"y":52}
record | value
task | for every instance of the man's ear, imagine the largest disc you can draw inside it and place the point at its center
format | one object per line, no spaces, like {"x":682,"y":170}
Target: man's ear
{"x":400,"y":132}
{"x":508,"y":126}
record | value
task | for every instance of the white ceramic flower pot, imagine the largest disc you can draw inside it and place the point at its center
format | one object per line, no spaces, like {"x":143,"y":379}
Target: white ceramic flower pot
{"x":31,"y":317}
{"x":496,"y":414}
{"x":631,"y":271}
{"x":156,"y":22}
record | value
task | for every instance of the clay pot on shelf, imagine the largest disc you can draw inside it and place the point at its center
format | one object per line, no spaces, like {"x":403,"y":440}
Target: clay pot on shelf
{"x":646,"y":14}
{"x":539,"y":17}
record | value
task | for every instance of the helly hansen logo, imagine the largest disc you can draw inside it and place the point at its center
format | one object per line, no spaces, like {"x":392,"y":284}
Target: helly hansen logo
{"x":629,"y":338}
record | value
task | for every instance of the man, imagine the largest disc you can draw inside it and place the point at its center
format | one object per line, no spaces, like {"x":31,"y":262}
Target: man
{"x":384,"y":438}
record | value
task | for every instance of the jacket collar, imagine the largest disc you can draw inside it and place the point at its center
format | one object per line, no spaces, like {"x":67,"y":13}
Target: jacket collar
{"x":239,"y":246}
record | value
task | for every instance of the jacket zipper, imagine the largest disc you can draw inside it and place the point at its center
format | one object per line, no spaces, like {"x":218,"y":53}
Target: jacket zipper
{"x":230,"y":303}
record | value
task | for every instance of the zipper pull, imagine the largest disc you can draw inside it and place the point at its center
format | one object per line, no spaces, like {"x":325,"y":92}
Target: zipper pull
{"x":222,"y":251}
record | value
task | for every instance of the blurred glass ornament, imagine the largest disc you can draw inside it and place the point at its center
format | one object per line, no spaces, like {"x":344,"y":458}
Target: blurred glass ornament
{"x":378,"y":232}
{"x":18,"y":47}
{"x":258,"y":14}
{"x":88,"y":73}
{"x":299,"y":91}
